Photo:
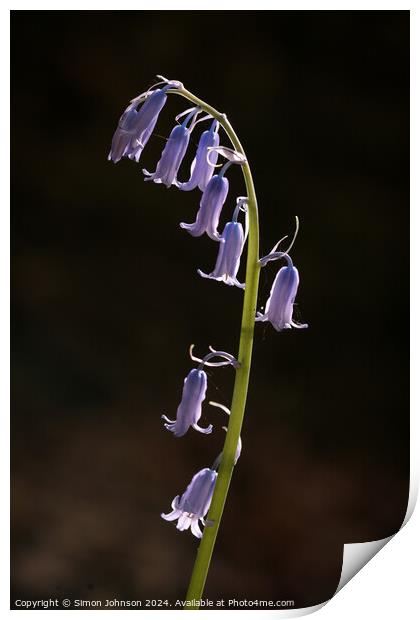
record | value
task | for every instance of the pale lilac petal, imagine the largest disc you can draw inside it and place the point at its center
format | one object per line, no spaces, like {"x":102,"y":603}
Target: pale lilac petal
{"x":200,"y":429}
{"x":195,"y":528}
{"x":184,"y":522}
{"x":171,"y":516}
{"x":209,"y":276}
{"x":164,"y":417}
{"x":175,"y":514}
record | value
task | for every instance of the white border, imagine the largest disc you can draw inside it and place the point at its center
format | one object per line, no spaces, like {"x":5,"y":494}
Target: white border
{"x":387,"y":586}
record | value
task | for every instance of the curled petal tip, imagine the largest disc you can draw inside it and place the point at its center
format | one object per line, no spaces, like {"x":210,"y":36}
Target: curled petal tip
{"x":299,"y":325}
{"x":202,"y":274}
{"x":227,"y":357}
{"x":204,"y":431}
{"x":172,"y":83}
{"x":220,"y":406}
{"x":230,"y":154}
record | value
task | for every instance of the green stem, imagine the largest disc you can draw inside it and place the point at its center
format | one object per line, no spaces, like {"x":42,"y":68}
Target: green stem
{"x":205,"y":550}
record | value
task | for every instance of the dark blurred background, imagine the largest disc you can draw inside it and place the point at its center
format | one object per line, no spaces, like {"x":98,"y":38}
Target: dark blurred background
{"x":106,"y":301}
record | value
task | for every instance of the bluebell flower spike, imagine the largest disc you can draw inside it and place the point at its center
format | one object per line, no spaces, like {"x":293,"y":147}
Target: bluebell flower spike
{"x":173,"y":153}
{"x":231,"y":246}
{"x":194,"y":504}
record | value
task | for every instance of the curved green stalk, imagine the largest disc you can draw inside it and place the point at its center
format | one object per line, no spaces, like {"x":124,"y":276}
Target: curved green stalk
{"x":205,"y":550}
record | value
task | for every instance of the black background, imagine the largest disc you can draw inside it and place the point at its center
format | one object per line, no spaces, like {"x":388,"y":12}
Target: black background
{"x":106,"y":301}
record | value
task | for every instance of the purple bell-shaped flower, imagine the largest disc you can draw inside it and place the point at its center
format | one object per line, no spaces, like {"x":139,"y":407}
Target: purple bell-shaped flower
{"x":204,"y":162}
{"x":231,"y":246}
{"x":173,"y":153}
{"x":189,"y":409}
{"x":214,"y":196}
{"x":193,"y":394}
{"x":194,"y":504}
{"x":279,"y":306}
{"x":136,"y":126}
{"x":211,"y":204}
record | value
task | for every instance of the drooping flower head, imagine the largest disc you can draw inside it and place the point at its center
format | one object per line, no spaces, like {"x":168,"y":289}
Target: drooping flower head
{"x":231,"y":246}
{"x":193,"y":394}
{"x":194,"y":504}
{"x":174,"y":151}
{"x":204,"y":162}
{"x":137,"y":124}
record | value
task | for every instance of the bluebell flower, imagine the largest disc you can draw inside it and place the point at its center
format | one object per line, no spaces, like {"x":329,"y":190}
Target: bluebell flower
{"x":189,"y":409}
{"x":211,"y":204}
{"x":214,"y":196}
{"x":230,"y":250}
{"x":136,"y":126}
{"x":194,"y":504}
{"x":173,"y":153}
{"x":193,"y":394}
{"x":279,"y":306}
{"x":204,"y":162}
